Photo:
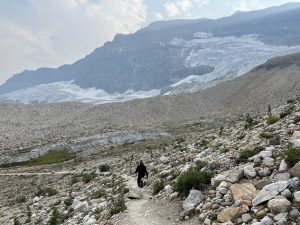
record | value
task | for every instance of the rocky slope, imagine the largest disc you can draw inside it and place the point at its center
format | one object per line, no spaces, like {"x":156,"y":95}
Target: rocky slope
{"x":30,"y":126}
{"x":254,"y":162}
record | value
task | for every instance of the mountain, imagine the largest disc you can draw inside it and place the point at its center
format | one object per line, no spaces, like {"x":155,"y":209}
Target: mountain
{"x":167,"y":57}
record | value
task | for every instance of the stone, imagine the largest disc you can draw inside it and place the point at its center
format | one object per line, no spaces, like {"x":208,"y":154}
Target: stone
{"x":295,"y":171}
{"x":261,"y":213}
{"x":78,"y":205}
{"x":280,"y":216}
{"x":223,"y":184}
{"x":223,"y":191}
{"x":268,"y":162}
{"x":262,"y":183}
{"x":164,"y":159}
{"x":264,"y":172}
{"x":294,"y":213}
{"x":230,"y":214}
{"x":207,"y":221}
{"x":280,"y":205}
{"x":232,"y":176}
{"x":242,"y":191}
{"x":269,"y":192}
{"x":173,"y":196}
{"x":295,"y":140}
{"x":195,"y":198}
{"x":286,"y":193}
{"x":207,"y":206}
{"x":249,"y":171}
{"x":246,"y":218}
{"x":296,"y":196}
{"x":282,"y":176}
{"x":283,"y":167}
{"x":267,"y":221}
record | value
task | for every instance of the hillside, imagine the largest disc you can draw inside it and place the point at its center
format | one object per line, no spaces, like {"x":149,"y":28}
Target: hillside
{"x":34,"y":125}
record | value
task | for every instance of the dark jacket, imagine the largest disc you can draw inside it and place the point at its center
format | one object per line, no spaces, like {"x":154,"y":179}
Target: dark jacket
{"x":141,"y":170}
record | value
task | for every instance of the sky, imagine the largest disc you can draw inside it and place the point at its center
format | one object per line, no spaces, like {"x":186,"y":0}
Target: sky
{"x":50,"y":33}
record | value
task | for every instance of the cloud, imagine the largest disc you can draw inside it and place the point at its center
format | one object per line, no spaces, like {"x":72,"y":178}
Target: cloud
{"x":182,"y":7}
{"x":54,"y":32}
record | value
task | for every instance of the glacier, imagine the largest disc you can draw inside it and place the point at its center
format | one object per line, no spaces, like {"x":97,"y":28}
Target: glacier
{"x":230,"y":57}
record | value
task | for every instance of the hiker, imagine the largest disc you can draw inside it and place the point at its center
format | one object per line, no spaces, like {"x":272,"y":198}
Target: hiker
{"x":141,"y":170}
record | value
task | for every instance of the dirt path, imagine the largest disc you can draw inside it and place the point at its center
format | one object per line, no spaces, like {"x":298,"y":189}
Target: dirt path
{"x":148,"y":210}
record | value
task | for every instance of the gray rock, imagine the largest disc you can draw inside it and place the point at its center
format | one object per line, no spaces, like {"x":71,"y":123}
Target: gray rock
{"x":294,"y":213}
{"x":232,"y":176}
{"x":295,"y":171}
{"x":267,"y":221}
{"x":268,"y":162}
{"x":282,"y":176}
{"x":195,"y":198}
{"x":283,"y":166}
{"x":280,"y":216}
{"x":249,"y":171}
{"x":246,"y":218}
{"x":280,"y":205}
{"x":286,"y":193}
{"x":269,"y":192}
{"x":264,"y":172}
{"x":296,"y":196}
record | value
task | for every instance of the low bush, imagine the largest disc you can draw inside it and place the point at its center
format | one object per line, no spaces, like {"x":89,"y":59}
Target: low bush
{"x":158,"y":186}
{"x":297,"y":119}
{"x":56,"y":217}
{"x":272,"y":119}
{"x":104,"y":168}
{"x":193,"y":178}
{"x":46,"y":191}
{"x":117,"y":207}
{"x":99,"y":194}
{"x":88,"y":177}
{"x":245,"y":154}
{"x":292,"y":155}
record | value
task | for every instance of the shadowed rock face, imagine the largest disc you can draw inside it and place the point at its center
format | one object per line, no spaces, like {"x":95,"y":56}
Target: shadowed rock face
{"x":145,"y":60}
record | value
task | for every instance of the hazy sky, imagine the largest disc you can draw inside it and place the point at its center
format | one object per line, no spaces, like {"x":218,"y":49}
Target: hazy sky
{"x":49,"y":33}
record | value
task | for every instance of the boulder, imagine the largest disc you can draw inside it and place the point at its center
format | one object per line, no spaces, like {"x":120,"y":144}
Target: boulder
{"x":242,"y":191}
{"x":269,"y":192}
{"x":279,"y":205}
{"x":249,"y":171}
{"x":295,"y":140}
{"x":232,"y":176}
{"x":268,"y":162}
{"x":195,"y":198}
{"x":296,"y":196}
{"x":78,"y":205}
{"x":230,"y":214}
{"x":283,"y":166}
{"x":295,"y":171}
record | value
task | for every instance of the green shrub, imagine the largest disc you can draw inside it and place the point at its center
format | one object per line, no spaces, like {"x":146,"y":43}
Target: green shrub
{"x":292,"y":155}
{"x":200,"y":164}
{"x":20,"y":199}
{"x":297,"y":119}
{"x":193,"y":178}
{"x":88,"y":177}
{"x":46,"y":191}
{"x":245,"y":154}
{"x":56,"y":217}
{"x":117,"y":207}
{"x":99,"y":194}
{"x":272,"y":119}
{"x":158,"y":186}
{"x":104,"y":168}
{"x":68,"y":202}
{"x":242,"y":135}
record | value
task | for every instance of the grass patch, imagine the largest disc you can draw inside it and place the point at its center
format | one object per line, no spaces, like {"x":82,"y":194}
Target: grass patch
{"x":245,"y":154}
{"x":99,"y":194}
{"x":46,"y":191}
{"x":272,"y":119}
{"x":49,"y":158}
{"x":292,"y":155}
{"x":117,"y":207}
{"x":88,"y":177}
{"x":158,"y":186}
{"x":193,"y":178}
